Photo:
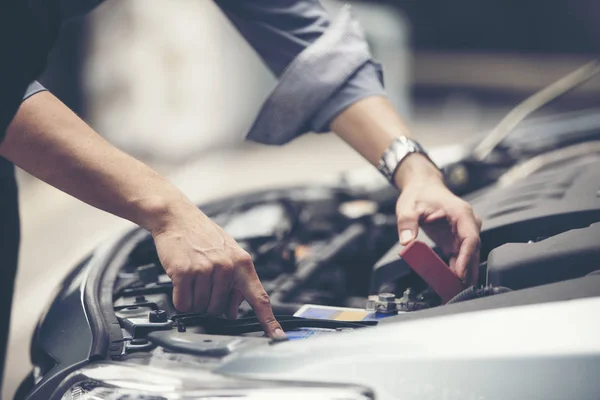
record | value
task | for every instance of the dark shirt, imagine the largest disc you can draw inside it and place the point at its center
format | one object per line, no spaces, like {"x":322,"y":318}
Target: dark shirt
{"x":24,"y":44}
{"x":9,"y":245}
{"x":323,"y":67}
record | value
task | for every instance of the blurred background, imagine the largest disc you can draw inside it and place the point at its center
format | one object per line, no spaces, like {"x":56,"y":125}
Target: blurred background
{"x":173,"y":84}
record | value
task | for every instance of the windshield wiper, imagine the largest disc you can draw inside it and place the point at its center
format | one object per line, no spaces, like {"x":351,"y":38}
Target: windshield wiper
{"x":531,"y":104}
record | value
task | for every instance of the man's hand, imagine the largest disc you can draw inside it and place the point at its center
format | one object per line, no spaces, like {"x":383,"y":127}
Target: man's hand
{"x":369,"y":126}
{"x":448,"y":221}
{"x":211,"y":273}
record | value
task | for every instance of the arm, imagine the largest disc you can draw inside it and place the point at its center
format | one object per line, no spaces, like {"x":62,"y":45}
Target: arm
{"x":328,"y":81}
{"x":210,"y":272}
{"x":424,"y":198}
{"x":323,"y":66}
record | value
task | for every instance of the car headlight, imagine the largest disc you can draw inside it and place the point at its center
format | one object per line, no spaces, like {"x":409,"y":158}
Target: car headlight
{"x":123,"y":381}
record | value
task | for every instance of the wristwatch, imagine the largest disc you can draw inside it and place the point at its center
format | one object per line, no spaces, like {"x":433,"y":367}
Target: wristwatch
{"x":397,"y":152}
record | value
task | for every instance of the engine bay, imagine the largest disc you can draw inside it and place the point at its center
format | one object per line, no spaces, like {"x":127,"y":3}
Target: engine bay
{"x":329,"y":258}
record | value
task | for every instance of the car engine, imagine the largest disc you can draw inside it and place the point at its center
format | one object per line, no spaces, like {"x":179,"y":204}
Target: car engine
{"x":329,"y":258}
{"x":335,"y":246}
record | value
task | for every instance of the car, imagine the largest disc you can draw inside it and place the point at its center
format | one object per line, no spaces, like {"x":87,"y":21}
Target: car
{"x":364,"y":319}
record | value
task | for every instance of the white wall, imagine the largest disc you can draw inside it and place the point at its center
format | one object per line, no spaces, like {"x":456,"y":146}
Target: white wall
{"x":170,"y":79}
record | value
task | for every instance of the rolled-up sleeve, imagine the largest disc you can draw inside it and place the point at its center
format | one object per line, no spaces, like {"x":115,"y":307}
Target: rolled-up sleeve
{"x":323,"y":66}
{"x":32,"y":89}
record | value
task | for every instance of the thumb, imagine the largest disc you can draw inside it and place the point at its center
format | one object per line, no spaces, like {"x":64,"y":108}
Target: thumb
{"x":236,"y":298}
{"x":408,"y":223}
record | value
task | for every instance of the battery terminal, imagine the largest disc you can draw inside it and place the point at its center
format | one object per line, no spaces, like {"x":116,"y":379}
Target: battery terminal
{"x":384,"y":303}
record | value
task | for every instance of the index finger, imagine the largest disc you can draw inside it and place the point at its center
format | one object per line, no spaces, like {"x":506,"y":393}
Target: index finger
{"x":259,"y":300}
{"x":467,"y":262}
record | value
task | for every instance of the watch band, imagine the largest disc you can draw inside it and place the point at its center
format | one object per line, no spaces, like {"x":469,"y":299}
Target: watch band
{"x":396,"y":153}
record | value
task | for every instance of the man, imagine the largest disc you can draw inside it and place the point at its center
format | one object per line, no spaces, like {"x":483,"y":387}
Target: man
{"x":327,"y":82}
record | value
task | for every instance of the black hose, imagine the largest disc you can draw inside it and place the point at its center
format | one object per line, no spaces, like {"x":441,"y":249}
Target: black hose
{"x":311,"y":266}
{"x":473,"y":292}
{"x":223,"y":326}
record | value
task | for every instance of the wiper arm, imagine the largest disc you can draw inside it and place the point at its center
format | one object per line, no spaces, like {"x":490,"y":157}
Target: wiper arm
{"x":531,"y":104}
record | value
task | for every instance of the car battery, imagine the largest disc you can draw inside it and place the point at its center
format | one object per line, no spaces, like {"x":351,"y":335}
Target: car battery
{"x":313,"y":311}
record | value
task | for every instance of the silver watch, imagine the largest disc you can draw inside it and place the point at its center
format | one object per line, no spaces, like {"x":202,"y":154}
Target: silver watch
{"x":396,"y":153}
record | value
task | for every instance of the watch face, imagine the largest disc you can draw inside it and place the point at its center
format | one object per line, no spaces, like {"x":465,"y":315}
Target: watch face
{"x":397,"y":152}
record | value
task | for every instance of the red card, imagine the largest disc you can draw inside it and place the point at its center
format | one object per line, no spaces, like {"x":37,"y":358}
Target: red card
{"x":426,"y":263}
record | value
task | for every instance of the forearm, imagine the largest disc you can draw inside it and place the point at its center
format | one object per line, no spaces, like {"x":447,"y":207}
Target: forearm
{"x":49,"y":141}
{"x":369,"y":126}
